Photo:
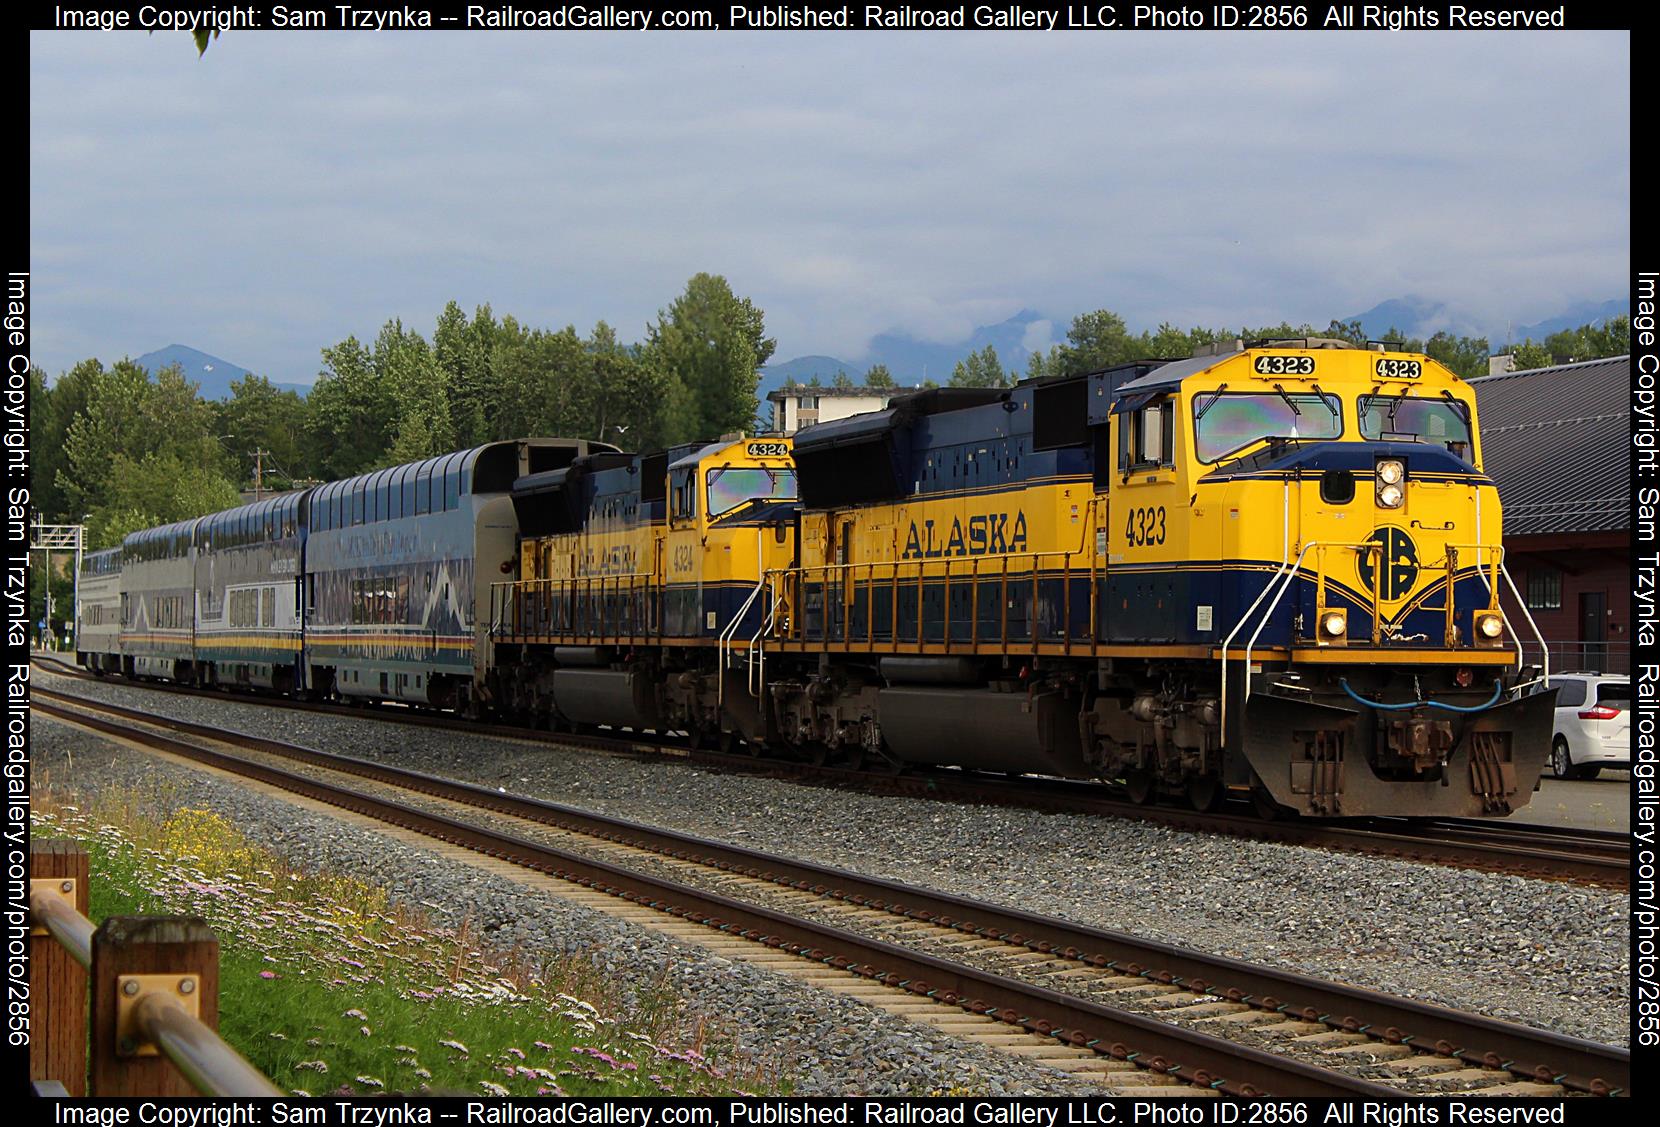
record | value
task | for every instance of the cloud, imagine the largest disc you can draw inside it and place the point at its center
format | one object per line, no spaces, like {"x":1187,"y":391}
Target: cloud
{"x":288,"y":189}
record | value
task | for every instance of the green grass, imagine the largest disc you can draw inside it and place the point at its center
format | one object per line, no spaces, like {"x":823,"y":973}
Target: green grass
{"x":327,"y":987}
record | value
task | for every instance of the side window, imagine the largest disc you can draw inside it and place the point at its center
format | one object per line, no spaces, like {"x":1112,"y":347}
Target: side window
{"x":407,"y":508}
{"x":394,"y":495}
{"x":452,"y":488}
{"x":1572,"y":694}
{"x":423,"y":488}
{"x":683,"y":495}
{"x":357,"y":503}
{"x":1152,"y":434}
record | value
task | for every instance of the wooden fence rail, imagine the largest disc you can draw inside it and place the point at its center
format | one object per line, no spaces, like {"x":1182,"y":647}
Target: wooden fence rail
{"x":152,"y":1007}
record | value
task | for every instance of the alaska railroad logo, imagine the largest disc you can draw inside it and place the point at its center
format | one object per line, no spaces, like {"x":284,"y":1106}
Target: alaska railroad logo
{"x":1396,"y":564}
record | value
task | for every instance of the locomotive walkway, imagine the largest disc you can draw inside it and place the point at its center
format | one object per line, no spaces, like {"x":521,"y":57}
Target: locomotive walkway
{"x":1088,"y":999}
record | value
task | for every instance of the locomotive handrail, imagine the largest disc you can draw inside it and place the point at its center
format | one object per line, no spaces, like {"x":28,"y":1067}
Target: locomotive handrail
{"x":1285,"y":558}
{"x":949,"y":567}
{"x":1499,"y":569}
{"x":631,"y":583}
{"x":1290,"y":575}
{"x":723,"y":644}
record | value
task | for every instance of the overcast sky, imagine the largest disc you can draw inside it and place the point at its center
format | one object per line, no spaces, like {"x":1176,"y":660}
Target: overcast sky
{"x":287,"y":189}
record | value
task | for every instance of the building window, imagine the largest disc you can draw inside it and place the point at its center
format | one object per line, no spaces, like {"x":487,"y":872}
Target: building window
{"x":807,"y":402}
{"x":1544,"y":589}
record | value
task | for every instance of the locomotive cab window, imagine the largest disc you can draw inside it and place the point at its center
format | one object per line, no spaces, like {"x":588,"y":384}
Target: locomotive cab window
{"x":1445,"y":422}
{"x":1226,"y":423}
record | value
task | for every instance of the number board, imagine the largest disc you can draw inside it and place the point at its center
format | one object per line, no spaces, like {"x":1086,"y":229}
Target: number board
{"x":768,"y":450}
{"x":1285,"y":365}
{"x":1399,"y":369}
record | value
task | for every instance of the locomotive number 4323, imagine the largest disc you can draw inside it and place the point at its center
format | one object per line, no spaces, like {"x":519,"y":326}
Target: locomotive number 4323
{"x":1144,"y":527}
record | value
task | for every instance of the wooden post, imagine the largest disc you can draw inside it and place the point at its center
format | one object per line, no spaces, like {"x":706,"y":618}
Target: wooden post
{"x":57,"y":983}
{"x":146,"y":945}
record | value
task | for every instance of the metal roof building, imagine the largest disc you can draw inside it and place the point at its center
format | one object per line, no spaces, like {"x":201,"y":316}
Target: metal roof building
{"x":1556,"y":442}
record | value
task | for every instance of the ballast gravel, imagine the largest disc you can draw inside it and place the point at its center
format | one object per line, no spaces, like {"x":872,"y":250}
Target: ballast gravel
{"x":822,"y":1043}
{"x":1546,"y":954}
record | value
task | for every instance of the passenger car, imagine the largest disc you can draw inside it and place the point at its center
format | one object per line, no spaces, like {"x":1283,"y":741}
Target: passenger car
{"x":1593,"y":724}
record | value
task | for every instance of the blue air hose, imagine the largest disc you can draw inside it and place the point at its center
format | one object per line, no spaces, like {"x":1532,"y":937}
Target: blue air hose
{"x":1498,"y":691}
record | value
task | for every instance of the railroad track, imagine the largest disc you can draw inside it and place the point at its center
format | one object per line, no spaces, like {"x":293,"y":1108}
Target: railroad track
{"x":1094,"y":996}
{"x":1588,"y":857}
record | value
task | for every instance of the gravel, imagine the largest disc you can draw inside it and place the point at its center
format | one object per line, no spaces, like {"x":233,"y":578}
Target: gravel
{"x":1546,"y":954}
{"x":835,"y":1045}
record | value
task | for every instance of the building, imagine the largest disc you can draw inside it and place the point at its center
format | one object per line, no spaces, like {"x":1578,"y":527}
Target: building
{"x":801,"y":405}
{"x":1556,"y":442}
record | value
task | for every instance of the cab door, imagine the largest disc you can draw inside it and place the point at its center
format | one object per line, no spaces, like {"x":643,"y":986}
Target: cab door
{"x":1145,"y":599}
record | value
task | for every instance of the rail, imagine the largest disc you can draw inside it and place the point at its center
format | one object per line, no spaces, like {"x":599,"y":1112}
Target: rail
{"x":154,"y":985}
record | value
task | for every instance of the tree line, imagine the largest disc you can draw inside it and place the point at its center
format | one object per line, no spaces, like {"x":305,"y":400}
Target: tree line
{"x":1101,"y":339}
{"x":122,"y":451}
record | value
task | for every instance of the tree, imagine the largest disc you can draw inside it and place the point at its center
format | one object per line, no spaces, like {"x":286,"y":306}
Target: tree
{"x":879,"y":376}
{"x":979,"y":369}
{"x":1528,"y":356}
{"x":258,"y":417}
{"x":709,"y":346}
{"x":410,"y":374}
{"x":352,"y":412}
{"x":842,"y":380}
{"x":1466,"y":356}
{"x":463,"y":350}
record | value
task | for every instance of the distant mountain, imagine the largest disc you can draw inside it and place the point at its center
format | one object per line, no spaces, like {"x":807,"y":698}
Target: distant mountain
{"x":213,"y":374}
{"x":1423,"y":317}
{"x":1585,"y":313}
{"x":1416,"y":316}
{"x":911,"y":360}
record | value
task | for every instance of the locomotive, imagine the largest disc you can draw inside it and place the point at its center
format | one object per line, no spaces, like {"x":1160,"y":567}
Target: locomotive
{"x":1269,"y":572}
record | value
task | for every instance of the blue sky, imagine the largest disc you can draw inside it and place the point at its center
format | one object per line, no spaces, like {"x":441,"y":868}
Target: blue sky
{"x":289,"y":189}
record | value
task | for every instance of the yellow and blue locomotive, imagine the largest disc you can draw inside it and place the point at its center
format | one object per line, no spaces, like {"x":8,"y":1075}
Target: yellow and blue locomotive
{"x":1269,"y":572}
{"x":640,"y":576}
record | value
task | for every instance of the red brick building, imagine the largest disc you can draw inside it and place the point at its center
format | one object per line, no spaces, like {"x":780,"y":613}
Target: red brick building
{"x":1556,"y":441}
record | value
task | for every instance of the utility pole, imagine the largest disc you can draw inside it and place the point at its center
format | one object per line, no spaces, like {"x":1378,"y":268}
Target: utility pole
{"x":259,"y":471}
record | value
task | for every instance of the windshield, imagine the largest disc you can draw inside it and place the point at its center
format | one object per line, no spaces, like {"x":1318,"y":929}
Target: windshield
{"x":1426,"y":420}
{"x":731,"y":487}
{"x":1224,"y":424}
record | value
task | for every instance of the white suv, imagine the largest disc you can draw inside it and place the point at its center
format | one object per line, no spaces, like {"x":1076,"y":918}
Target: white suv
{"x":1593,"y":724}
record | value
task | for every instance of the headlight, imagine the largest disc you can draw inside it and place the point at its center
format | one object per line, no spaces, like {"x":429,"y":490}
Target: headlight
{"x":1334,"y":623}
{"x":1391,"y":496}
{"x":1489,"y":626}
{"x":1391,"y":471}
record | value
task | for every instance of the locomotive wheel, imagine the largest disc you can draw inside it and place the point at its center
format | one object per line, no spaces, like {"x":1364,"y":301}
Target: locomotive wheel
{"x":1204,"y":793}
{"x":1138,"y":784}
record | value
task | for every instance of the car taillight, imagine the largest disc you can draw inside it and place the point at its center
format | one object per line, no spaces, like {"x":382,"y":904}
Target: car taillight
{"x":1600,"y":712}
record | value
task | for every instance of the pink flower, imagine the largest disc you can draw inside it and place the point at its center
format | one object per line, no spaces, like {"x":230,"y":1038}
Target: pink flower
{"x":268,"y":974}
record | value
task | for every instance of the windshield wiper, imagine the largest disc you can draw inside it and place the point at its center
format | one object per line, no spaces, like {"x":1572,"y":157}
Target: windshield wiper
{"x":1288,"y":402}
{"x":1209,"y":403}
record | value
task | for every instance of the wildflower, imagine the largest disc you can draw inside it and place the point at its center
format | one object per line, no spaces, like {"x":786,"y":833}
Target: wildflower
{"x":456,"y":1045}
{"x":423,"y":1074}
{"x":314,"y":1065}
{"x":359,"y":1014}
{"x":268,"y":974}
{"x":516,"y":1052}
{"x":411,"y":1049}
{"x":370,"y":1081}
{"x":365,"y":1030}
{"x":492,"y":1089}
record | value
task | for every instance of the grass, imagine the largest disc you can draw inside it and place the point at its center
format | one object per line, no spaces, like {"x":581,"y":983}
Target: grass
{"x":328,"y":987}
